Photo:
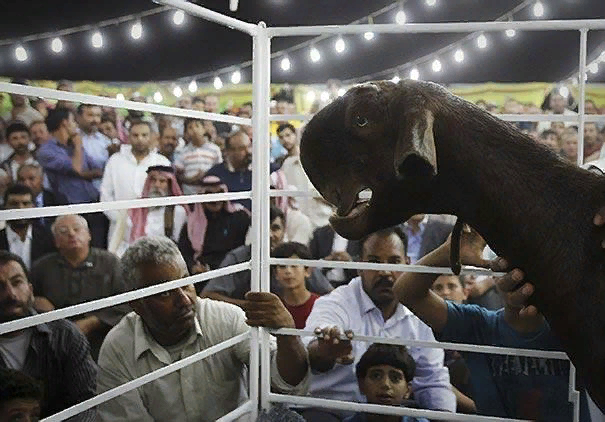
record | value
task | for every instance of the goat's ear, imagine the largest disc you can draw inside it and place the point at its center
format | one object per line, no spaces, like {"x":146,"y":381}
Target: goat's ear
{"x":415,"y":145}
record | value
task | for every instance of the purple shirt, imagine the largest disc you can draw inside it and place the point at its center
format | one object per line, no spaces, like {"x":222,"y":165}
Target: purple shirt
{"x":55,"y":158}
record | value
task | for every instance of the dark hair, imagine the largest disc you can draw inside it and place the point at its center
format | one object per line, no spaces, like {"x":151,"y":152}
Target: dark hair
{"x":17,"y":189}
{"x":197,"y":99}
{"x":82,"y":106}
{"x":17,"y":385}
{"x":138,"y":122}
{"x":247,"y":103}
{"x":397,"y":230}
{"x":5,"y":258}
{"x":285,"y":126}
{"x":16,"y":126}
{"x":188,"y":121}
{"x":288,"y":249}
{"x":56,"y":117}
{"x":32,"y":165}
{"x":275,"y":212}
{"x":36,"y":122}
{"x":107,"y":117}
{"x":386,"y":354}
{"x":547,"y":132}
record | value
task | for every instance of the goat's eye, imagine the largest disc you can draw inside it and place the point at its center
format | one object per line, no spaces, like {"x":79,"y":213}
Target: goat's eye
{"x":361,"y":121}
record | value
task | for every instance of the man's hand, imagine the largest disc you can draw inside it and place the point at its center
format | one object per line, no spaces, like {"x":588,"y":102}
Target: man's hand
{"x":332,"y":347}
{"x":266,"y":310}
{"x":471,"y":247}
{"x":339,"y":256}
{"x":88,"y":324}
{"x":514,"y":290}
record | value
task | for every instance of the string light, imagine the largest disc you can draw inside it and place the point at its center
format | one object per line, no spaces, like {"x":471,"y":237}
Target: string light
{"x":21,"y":53}
{"x":459,"y":56}
{"x":310,"y":96}
{"x":341,"y":92}
{"x":436,"y":66}
{"x":192,"y":86}
{"x":368,"y":35}
{"x":314,"y":54}
{"x":56,"y":45}
{"x":236,"y":77}
{"x":431,"y":3}
{"x":564,"y":91}
{"x":481,"y":41}
{"x":593,"y":68}
{"x":324,"y":96}
{"x":177,"y":91}
{"x":157,"y":97}
{"x":538,"y":9}
{"x":400,"y":17}
{"x":339,"y":45}
{"x":285,"y":64}
{"x":510,"y":33}
{"x":136,"y":31}
{"x":395,"y":79}
{"x":218,"y":84}
{"x":97,"y":40}
{"x":120,"y":97}
{"x":178,"y":18}
{"x":414,"y":74}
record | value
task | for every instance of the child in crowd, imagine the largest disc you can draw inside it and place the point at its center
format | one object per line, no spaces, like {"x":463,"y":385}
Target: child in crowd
{"x":291,"y":278}
{"x":384,"y":374}
{"x":20,"y":397}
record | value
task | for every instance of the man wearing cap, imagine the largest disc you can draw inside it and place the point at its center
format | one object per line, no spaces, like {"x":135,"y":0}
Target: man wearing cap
{"x":155,"y":221}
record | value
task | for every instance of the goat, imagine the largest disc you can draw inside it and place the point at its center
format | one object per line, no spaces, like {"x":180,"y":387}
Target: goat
{"x":421,"y":149}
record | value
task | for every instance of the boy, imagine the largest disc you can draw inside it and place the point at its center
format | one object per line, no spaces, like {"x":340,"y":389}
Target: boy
{"x":384,"y":373}
{"x":20,"y":396}
{"x":291,"y":278}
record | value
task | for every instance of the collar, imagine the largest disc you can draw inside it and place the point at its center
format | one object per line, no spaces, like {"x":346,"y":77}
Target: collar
{"x":367,"y":305}
{"x":12,"y":235}
{"x":87,"y":263}
{"x":231,"y":169}
{"x":39,"y":200}
{"x":144,"y":341}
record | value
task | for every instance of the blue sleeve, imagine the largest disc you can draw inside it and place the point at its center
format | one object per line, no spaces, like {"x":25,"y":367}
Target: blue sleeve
{"x":55,"y":160}
{"x":468,"y":324}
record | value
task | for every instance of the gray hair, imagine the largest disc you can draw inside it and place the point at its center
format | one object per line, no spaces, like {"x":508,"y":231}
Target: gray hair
{"x":149,"y":250}
{"x":53,"y":227}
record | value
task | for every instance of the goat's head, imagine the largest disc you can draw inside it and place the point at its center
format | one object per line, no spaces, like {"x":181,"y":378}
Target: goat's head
{"x":378,"y":136}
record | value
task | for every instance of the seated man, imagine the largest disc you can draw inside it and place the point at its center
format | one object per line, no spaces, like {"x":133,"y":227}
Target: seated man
{"x":175,"y":324}
{"x":329,"y":245}
{"x":384,"y":374}
{"x":155,"y":221}
{"x":20,"y":397}
{"x":25,"y":237}
{"x":55,"y":353}
{"x":368,"y":306}
{"x":291,"y":278}
{"x":213,"y":228}
{"x":78,"y":273}
{"x":32,"y":176}
{"x":232,"y":288}
{"x":501,"y":385}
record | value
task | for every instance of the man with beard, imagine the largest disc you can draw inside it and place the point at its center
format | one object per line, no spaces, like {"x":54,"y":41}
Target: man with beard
{"x":25,"y":238}
{"x":175,"y":324}
{"x":155,"y":221}
{"x":32,"y":176}
{"x":22,"y":110}
{"x":18,"y":137}
{"x":126,"y":172}
{"x":55,"y":353}
{"x":368,"y":306}
{"x":94,"y":142}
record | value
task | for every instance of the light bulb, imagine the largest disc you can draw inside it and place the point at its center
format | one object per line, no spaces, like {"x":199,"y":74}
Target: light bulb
{"x":431,"y":3}
{"x":436,"y":65}
{"x":339,"y":45}
{"x":395,"y":79}
{"x":510,"y":33}
{"x":459,"y":56}
{"x":178,"y":18}
{"x":285,"y":64}
{"x":310,"y":96}
{"x":157,"y":97}
{"x":236,"y":77}
{"x":97,"y":40}
{"x":314,"y":54}
{"x":56,"y":45}
{"x":218,"y":84}
{"x":538,"y":9}
{"x":324,"y":96}
{"x":21,"y":53}
{"x":564,"y":91}
{"x":482,"y":41}
{"x":368,"y":35}
{"x":136,"y":31}
{"x":414,"y":74}
{"x":177,"y":91}
{"x":400,"y":17}
{"x":341,"y":92}
{"x":593,"y":68}
{"x":120,"y":97}
{"x":192,"y":86}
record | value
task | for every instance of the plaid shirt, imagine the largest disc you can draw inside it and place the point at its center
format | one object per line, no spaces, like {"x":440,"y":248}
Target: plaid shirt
{"x":59,"y":356}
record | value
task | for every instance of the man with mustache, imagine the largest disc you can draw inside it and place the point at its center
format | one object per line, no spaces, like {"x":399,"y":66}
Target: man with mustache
{"x":93,"y":141}
{"x":368,"y":306}
{"x":55,"y":353}
{"x":18,"y":137}
{"x":28,"y":239}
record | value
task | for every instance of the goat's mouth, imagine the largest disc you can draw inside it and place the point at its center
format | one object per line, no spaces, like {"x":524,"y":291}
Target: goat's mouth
{"x":361,"y":202}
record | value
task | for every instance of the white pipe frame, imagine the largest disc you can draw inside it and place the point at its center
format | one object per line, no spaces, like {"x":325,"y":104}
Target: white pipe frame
{"x":261,"y":261}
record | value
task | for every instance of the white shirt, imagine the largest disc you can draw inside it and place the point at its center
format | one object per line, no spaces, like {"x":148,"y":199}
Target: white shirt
{"x":124,"y":178}
{"x":350,"y":308}
{"x":339,"y":244}
{"x":23,"y":248}
{"x":14,"y":349}
{"x":201,"y":392}
{"x":154,"y":226}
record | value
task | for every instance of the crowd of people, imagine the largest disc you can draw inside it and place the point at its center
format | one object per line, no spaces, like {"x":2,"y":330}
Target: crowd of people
{"x":67,"y":153}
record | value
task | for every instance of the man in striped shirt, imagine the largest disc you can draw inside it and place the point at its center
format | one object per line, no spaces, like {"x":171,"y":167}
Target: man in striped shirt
{"x":196,"y":158}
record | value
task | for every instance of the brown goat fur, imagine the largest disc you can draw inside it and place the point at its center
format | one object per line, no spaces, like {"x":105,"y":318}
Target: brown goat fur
{"x":421,"y":149}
